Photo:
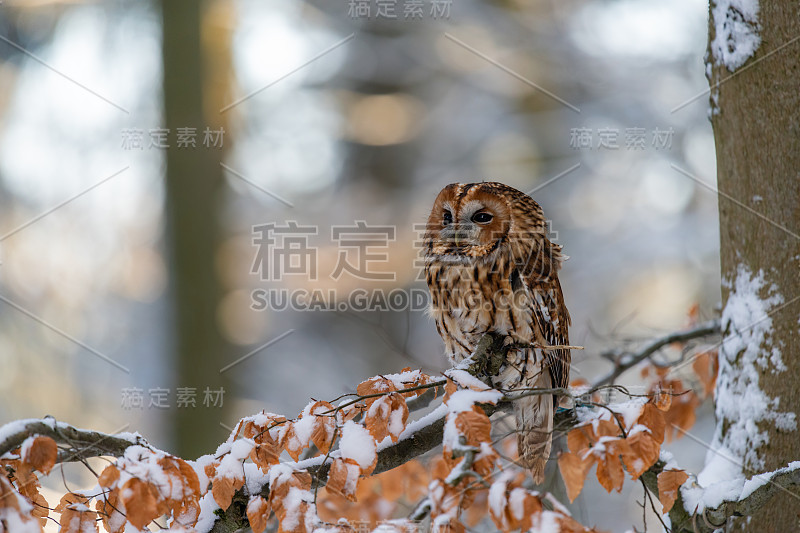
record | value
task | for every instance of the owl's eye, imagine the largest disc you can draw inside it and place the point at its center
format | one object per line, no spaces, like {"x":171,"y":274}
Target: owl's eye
{"x":482,"y":217}
{"x":447,"y":218}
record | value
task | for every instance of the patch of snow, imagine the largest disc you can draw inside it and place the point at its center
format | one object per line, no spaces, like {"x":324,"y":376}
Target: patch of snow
{"x":463,"y":400}
{"x":747,"y":348}
{"x":736,"y":30}
{"x":465,"y":379}
{"x":356,"y":443}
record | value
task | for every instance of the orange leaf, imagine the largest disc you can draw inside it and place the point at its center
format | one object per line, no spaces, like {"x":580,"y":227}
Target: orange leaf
{"x":140,"y":501}
{"x":653,"y":419}
{"x":475,"y":426}
{"x":610,"y":473}
{"x":669,"y":481}
{"x":682,"y":412}
{"x":324,"y":426}
{"x":222,"y":489}
{"x":343,"y":478}
{"x":71,"y":499}
{"x":258,"y":513}
{"x":450,"y":388}
{"x":387,"y":416}
{"x":39,"y":453}
{"x":662,"y":399}
{"x":376,"y":385}
{"x":706,"y":366}
{"x":78,"y":520}
{"x":580,"y":439}
{"x":108,"y":477}
{"x":641,"y":453}
{"x":107,"y":506}
{"x":574,"y":471}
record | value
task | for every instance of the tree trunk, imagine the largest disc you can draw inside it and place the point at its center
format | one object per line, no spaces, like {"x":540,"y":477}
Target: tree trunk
{"x":756,"y":120}
{"x":193,"y":185}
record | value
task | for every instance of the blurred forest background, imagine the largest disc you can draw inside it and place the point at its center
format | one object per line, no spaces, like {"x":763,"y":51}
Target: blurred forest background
{"x":127,"y":268}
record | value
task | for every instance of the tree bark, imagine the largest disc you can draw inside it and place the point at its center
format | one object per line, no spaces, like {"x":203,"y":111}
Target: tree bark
{"x":756,"y":121}
{"x":193,"y":202}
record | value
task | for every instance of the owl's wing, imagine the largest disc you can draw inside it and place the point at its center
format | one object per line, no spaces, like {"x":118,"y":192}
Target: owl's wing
{"x":550,"y":314}
{"x":553,"y":321}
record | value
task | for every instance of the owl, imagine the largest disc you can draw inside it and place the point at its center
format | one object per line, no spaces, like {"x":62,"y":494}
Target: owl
{"x":490,"y":268}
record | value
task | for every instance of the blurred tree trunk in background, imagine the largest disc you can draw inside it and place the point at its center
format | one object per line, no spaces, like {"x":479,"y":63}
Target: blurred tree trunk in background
{"x":193,"y":202}
{"x":757,"y":133}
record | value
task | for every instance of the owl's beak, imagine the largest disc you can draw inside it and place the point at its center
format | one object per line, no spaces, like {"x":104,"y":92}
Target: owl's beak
{"x":459,"y":234}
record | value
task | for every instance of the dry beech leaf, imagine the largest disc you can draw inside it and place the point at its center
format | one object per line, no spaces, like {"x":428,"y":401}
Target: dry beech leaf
{"x":393,"y":482}
{"x":580,"y":438}
{"x":475,"y":426}
{"x":257,"y":513}
{"x":141,"y":502}
{"x":223,"y":491}
{"x":479,"y":507}
{"x":662,"y":399}
{"x":108,"y":477}
{"x":449,"y":389}
{"x":343,"y":478}
{"x":417,"y":478}
{"x":574,"y":471}
{"x":278,"y":496}
{"x":324,"y":426}
{"x":641,"y":453}
{"x":40,"y":454}
{"x":107,"y":507}
{"x":653,"y":419}
{"x":27,"y":481}
{"x":69,"y":499}
{"x":669,"y":481}
{"x":682,"y":412}
{"x":376,"y":385}
{"x":78,"y":521}
{"x":609,"y":467}
{"x":706,"y":366}
{"x":387,"y":417}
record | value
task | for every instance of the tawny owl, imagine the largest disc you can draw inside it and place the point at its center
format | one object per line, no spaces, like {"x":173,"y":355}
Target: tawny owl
{"x":491,"y":268}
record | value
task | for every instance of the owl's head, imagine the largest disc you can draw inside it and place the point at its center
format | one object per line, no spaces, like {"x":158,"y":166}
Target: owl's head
{"x":470,"y":220}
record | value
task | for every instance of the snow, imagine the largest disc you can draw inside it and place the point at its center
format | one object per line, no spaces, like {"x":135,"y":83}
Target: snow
{"x":741,"y":405}
{"x":629,"y":410}
{"x":736,"y":29}
{"x":712,"y":488}
{"x":357,"y":444}
{"x":740,"y":402}
{"x":304,"y":427}
{"x":396,"y":422}
{"x":463,"y":400}
{"x":465,"y":379}
{"x":404,"y":379}
{"x":208,"y":509}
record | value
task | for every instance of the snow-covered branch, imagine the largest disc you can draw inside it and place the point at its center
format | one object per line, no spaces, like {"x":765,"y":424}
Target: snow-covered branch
{"x":78,"y":444}
{"x":707,"y":509}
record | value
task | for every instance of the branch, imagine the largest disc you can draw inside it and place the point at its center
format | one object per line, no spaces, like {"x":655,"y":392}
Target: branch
{"x":80,"y":443}
{"x":757,"y":491}
{"x":624,"y":360}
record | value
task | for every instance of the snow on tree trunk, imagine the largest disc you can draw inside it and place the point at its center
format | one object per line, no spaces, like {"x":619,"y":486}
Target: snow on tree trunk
{"x":754,"y":74}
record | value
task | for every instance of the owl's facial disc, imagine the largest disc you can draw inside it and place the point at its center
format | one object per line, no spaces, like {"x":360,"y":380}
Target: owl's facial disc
{"x":468,"y":227}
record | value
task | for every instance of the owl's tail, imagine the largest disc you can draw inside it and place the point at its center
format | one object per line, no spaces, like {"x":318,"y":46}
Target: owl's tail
{"x":534,"y":432}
